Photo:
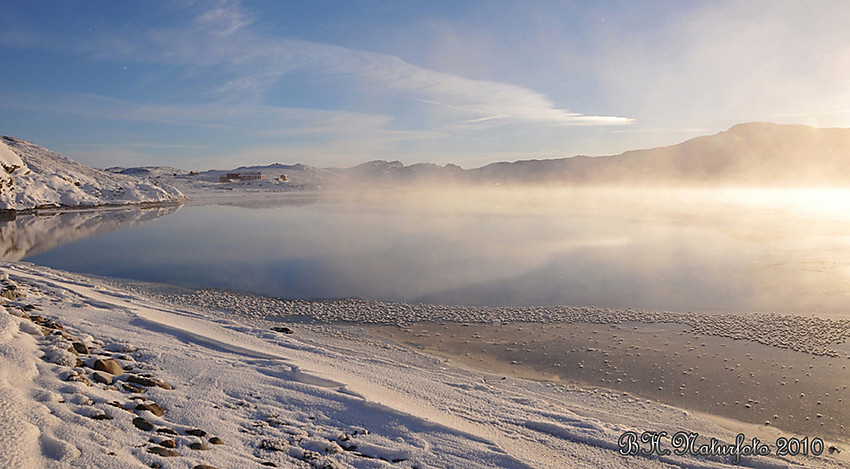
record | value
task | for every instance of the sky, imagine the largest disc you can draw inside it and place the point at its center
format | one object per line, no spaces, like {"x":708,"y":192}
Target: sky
{"x":219,"y":84}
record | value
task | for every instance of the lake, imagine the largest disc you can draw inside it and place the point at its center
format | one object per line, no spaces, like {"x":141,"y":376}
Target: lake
{"x":782,"y":251}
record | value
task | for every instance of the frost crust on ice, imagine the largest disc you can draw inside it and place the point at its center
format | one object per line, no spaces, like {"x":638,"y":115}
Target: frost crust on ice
{"x":34,"y":177}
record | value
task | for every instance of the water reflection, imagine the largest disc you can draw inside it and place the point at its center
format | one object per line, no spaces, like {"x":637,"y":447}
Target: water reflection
{"x":651,"y":250}
{"x":27,"y":235}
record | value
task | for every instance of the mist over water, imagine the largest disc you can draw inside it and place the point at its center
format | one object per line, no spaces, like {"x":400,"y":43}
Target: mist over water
{"x":733,"y":250}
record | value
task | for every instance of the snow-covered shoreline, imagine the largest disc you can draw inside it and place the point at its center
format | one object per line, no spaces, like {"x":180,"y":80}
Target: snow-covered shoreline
{"x":33,"y":178}
{"x":322,"y":396}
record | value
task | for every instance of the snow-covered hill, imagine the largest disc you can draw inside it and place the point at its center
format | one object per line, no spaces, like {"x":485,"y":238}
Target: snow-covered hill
{"x":34,"y":177}
{"x":297,"y":175}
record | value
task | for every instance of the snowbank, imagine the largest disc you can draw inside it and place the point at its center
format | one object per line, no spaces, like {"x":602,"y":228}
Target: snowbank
{"x":34,"y":177}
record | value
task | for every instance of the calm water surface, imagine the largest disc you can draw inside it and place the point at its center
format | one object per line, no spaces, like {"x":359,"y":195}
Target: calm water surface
{"x":651,"y":251}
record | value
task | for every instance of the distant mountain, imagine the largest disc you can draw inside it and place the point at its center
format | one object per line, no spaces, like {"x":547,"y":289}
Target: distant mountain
{"x":280,"y":177}
{"x":762,"y":154}
{"x":746,"y":154}
{"x":753,"y":154}
{"x":148,"y":171}
{"x":34,"y":177}
{"x":395,"y":171}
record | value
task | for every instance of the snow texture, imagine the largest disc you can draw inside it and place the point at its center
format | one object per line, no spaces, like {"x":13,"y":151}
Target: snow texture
{"x":34,"y":177}
{"x":323,"y":396}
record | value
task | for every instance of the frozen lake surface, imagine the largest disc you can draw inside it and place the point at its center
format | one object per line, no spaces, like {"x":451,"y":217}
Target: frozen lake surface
{"x":713,"y":251}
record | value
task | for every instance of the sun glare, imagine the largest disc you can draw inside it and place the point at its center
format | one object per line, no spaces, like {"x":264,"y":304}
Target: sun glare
{"x":832,"y":202}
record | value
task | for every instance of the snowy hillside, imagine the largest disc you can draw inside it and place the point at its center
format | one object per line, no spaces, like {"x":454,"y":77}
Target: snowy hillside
{"x":231,"y":186}
{"x":34,"y":177}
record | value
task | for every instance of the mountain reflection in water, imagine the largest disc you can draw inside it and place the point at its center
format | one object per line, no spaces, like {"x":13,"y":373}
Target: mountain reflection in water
{"x":783,"y":251}
{"x":31,"y":234}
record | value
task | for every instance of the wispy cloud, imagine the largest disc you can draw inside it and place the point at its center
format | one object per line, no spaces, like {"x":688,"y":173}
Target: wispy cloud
{"x":308,"y":135}
{"x":250,"y":118}
{"x":484,"y":119}
{"x":226,"y":37}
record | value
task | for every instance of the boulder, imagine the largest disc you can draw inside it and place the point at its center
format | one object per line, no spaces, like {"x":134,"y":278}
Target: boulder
{"x":12,"y":294}
{"x":148,"y":382}
{"x":109,"y":365}
{"x":135,"y":389}
{"x":48,"y":323}
{"x":168,"y":444}
{"x":164,"y":452}
{"x":101,"y":377}
{"x":80,"y":348}
{"x":142,"y":424}
{"x":153,"y":408}
{"x":119,"y":405}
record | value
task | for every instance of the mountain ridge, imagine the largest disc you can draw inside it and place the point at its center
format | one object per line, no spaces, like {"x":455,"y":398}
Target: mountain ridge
{"x":748,"y":154}
{"x":751,"y":153}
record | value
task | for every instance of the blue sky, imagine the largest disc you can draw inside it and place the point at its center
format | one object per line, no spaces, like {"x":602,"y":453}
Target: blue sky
{"x":218,"y":84}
